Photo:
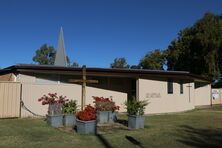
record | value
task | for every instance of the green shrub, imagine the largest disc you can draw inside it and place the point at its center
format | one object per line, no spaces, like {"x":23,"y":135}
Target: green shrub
{"x":136,"y":107}
{"x":70,"y":107}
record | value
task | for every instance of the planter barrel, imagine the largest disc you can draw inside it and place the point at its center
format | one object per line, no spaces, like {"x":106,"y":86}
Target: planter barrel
{"x":55,"y":120}
{"x":69,"y":120}
{"x":55,"y":109}
{"x":105,"y":117}
{"x":135,"y":121}
{"x":114,"y":116}
{"x":86,"y":127}
{"x":102,"y":116}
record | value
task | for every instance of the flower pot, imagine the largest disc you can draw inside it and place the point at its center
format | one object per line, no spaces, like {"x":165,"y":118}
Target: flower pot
{"x":86,"y":127}
{"x":55,"y":120}
{"x":103,"y":117}
{"x":69,"y":120}
{"x":135,"y":121}
{"x":114,"y":116}
{"x":55,"y":109}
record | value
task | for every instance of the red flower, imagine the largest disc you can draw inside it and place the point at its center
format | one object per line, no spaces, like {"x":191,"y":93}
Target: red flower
{"x":104,"y":104}
{"x":52,"y":98}
{"x":89,"y":113}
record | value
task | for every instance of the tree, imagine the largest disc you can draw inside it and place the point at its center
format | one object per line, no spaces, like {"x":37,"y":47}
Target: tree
{"x":135,"y":67}
{"x":75,"y":64}
{"x":119,"y":63}
{"x":198,"y":49}
{"x":218,"y":82}
{"x":45,"y":55}
{"x":153,"y":60}
{"x":68,"y":61}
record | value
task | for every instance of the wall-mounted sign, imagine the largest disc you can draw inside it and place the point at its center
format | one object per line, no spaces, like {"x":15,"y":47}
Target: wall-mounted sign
{"x":215,"y":94}
{"x":153,"y":95}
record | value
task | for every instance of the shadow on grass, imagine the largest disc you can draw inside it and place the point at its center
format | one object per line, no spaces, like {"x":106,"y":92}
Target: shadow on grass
{"x":134,"y":141}
{"x":199,"y":137}
{"x":103,"y":140}
{"x":123,"y":122}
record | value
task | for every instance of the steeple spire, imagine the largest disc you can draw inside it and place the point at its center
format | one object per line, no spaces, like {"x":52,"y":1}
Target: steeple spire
{"x":60,"y":59}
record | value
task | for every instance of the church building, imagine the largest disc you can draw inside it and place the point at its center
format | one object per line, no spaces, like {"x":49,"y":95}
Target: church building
{"x":166,"y":91}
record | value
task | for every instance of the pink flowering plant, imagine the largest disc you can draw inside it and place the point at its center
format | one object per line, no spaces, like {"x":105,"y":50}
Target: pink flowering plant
{"x":105,"y":104}
{"x":54,"y":101}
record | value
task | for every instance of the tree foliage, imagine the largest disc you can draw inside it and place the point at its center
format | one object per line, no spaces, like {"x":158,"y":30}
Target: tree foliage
{"x":45,"y":55}
{"x":135,"y":67}
{"x":68,"y":61}
{"x":153,"y":60}
{"x":119,"y":63}
{"x":198,"y":49}
{"x":75,"y":64}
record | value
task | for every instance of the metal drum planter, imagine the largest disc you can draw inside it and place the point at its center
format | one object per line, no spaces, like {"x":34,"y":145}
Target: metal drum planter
{"x":136,"y":122}
{"x":114,"y":116}
{"x":69,"y":120}
{"x":103,"y":117}
{"x":55,"y":120}
{"x":86,"y":127}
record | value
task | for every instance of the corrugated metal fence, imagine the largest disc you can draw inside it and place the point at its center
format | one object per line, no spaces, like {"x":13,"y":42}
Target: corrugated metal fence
{"x":9,"y":99}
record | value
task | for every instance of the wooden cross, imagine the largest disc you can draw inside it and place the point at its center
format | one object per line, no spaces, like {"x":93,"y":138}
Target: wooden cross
{"x":83,"y":81}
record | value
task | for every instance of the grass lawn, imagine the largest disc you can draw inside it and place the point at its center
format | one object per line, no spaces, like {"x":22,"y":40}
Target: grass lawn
{"x":197,"y":128}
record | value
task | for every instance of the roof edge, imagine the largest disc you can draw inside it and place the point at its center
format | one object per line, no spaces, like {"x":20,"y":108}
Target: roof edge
{"x":18,"y":67}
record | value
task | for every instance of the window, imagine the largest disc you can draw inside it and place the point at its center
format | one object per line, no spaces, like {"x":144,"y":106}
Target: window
{"x":181,"y":87}
{"x":170,"y":86}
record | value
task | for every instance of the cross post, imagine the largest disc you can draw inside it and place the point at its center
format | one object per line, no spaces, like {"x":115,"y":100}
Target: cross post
{"x":83,"y":81}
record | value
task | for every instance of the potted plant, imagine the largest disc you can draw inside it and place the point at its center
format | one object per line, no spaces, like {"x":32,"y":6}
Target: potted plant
{"x":105,"y":110}
{"x":54,"y":116}
{"x":69,"y":109}
{"x":135,"y":110}
{"x":86,"y":120}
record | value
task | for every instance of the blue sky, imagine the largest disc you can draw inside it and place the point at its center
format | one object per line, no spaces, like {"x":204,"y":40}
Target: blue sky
{"x":95,"y":31}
